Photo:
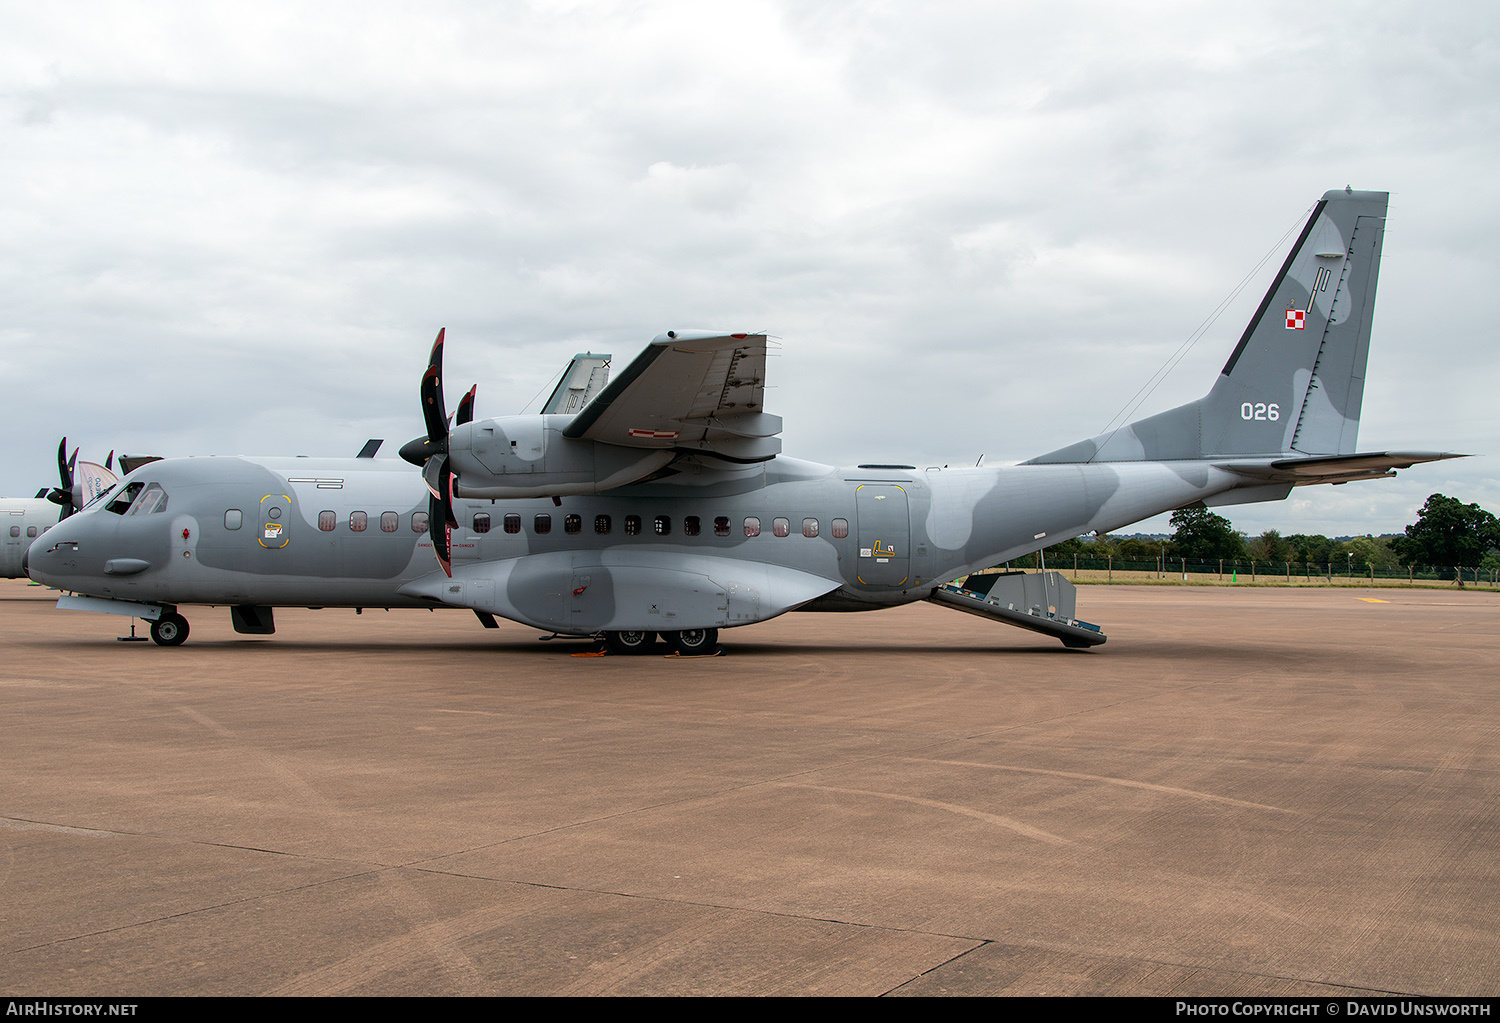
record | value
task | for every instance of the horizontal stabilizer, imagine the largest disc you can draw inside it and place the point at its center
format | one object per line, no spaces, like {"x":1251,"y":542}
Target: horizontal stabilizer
{"x":1336,"y":468}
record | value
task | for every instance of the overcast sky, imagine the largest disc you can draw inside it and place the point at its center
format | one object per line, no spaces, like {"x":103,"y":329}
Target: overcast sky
{"x":976,"y":228}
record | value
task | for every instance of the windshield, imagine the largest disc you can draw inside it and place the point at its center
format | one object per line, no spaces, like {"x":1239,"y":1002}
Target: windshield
{"x":105,"y":493}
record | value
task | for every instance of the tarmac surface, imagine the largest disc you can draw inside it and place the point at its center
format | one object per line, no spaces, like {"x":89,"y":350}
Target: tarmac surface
{"x":1245,"y":791}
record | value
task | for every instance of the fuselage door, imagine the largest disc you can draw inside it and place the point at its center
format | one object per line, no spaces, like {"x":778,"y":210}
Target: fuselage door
{"x":275,"y":521}
{"x":884,"y":532}
{"x":14,"y":526}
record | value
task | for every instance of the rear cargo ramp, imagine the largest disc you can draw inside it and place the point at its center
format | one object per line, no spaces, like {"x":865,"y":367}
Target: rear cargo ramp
{"x":1040,"y":601}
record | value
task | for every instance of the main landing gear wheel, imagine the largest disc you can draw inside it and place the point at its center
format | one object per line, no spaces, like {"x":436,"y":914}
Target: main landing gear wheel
{"x":694,"y":642}
{"x":630,"y":642}
{"x":169,"y":630}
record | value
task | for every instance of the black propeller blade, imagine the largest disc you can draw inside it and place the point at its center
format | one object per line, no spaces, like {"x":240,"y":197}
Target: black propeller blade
{"x":63,"y":494}
{"x":431,"y":453}
{"x":466,"y":407}
{"x":434,"y":413}
{"x":440,"y":519}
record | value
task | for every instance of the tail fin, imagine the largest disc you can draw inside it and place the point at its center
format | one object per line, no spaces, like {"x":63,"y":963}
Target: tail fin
{"x":1295,"y":382}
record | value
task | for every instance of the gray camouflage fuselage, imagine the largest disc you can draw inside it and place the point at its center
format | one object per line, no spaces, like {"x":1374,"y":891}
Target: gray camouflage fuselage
{"x":908,"y":531}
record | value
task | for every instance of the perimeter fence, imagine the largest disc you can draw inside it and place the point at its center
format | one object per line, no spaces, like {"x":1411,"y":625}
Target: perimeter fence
{"x":1264,"y":573}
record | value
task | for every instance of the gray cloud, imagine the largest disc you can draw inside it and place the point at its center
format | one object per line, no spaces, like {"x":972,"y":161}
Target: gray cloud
{"x":977,"y":230}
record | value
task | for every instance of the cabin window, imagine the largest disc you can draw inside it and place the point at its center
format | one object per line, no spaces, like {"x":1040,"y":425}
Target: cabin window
{"x":358,"y":521}
{"x":601,"y":525}
{"x":327,"y":520}
{"x":721,"y":526}
{"x":15,"y":530}
{"x":632,"y":525}
{"x":31,"y":531}
{"x":662,"y":524}
{"x":233,"y":518}
{"x":541,"y":525}
{"x":840,"y":528}
{"x":573,"y":524}
{"x":512,"y":522}
{"x":389,"y":522}
{"x":752,"y":526}
{"x":419,"y":522}
{"x":809,"y":527}
{"x":481,"y":522}
{"x":780,"y":526}
{"x":691,"y":526}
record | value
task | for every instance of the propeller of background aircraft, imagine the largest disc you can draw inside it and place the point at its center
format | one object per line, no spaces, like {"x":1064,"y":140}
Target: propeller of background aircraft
{"x":62,"y":494}
{"x":79,"y":484}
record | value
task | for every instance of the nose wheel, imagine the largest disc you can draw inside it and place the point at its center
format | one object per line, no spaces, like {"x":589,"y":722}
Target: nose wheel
{"x":169,"y":630}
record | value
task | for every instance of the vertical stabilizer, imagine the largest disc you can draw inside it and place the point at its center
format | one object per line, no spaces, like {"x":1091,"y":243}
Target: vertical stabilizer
{"x":1295,"y":381}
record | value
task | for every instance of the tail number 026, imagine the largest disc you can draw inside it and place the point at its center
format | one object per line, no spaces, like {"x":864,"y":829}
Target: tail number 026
{"x":1260,"y":410}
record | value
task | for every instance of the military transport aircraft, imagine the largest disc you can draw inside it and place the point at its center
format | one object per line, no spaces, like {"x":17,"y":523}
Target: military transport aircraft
{"x":660,"y":503}
{"x":23,"y":519}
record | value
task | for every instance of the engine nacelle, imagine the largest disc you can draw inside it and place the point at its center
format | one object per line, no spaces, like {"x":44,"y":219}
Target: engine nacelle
{"x":528,"y":456}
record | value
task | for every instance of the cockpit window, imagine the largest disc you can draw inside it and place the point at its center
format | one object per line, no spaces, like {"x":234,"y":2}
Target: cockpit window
{"x":150,"y":501}
{"x":127,"y":497}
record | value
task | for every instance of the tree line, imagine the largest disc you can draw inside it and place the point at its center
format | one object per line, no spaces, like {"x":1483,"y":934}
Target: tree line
{"x":1447,"y":533}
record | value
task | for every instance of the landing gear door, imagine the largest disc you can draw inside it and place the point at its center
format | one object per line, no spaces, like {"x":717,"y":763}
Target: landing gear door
{"x":275,"y":521}
{"x":884,"y":531}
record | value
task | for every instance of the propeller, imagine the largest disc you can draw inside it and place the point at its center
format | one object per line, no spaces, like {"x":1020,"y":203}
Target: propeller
{"x":63,"y":494}
{"x":431,"y":453}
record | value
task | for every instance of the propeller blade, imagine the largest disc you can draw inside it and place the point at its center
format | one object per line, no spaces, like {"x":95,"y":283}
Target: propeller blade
{"x":434,"y":412}
{"x":441,"y":533}
{"x":64,"y":468}
{"x":109,"y":463}
{"x":433,"y":474}
{"x":63,"y":496}
{"x":466,"y":407}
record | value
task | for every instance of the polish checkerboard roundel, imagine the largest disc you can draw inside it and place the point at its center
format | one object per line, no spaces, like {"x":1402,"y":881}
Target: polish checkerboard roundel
{"x":1296,"y":319}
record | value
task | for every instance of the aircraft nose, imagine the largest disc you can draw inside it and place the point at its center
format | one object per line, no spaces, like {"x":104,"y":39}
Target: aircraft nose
{"x":44,"y":557}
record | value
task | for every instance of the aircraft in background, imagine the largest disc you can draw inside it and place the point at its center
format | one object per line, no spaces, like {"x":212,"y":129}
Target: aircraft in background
{"x":659,"y":503}
{"x":23,"y":519}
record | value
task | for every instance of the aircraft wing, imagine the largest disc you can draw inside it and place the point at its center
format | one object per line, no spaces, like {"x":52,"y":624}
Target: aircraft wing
{"x":1336,"y":468}
{"x":689,"y":391}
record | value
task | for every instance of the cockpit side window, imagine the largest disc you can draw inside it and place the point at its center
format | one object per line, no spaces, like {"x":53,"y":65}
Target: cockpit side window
{"x":150,"y":501}
{"x":127,"y":497}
